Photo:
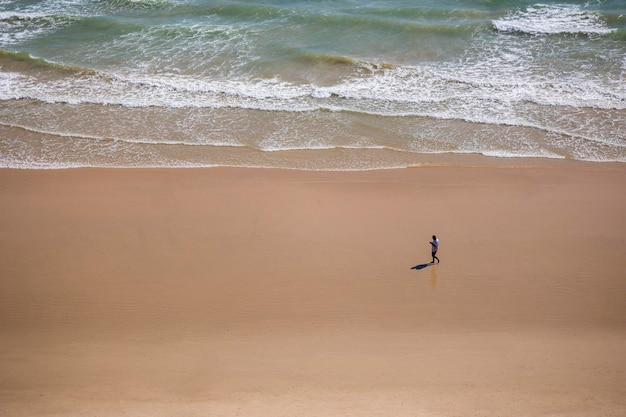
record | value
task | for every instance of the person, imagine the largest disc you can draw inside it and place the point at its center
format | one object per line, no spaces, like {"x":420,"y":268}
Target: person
{"x":435,"y":247}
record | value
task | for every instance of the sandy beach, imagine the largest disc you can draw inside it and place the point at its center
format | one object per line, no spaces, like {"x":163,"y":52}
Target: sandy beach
{"x":261,"y":292}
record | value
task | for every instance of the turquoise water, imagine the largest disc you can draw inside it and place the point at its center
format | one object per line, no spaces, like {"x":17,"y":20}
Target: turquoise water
{"x":338,"y":85}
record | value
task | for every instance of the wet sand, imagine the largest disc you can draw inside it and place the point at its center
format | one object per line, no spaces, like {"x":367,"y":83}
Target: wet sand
{"x":240,"y":292}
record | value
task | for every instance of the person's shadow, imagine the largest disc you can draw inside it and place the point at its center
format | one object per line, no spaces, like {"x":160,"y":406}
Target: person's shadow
{"x":422,"y":266}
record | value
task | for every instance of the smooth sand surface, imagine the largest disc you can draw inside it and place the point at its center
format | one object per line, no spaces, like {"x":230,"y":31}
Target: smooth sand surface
{"x":244,"y":292}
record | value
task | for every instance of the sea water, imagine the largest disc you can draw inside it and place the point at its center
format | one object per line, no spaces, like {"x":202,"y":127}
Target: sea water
{"x":309,"y":84}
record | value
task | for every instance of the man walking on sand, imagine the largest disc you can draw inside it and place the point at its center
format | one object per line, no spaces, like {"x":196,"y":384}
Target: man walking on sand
{"x":435,"y":247}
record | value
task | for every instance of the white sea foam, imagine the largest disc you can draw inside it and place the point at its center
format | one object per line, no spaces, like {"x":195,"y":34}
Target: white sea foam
{"x":553,"y":19}
{"x":511,"y":154}
{"x":17,"y":27}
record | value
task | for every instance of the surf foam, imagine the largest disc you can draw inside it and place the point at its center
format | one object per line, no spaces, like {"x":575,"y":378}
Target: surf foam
{"x":549,"y":19}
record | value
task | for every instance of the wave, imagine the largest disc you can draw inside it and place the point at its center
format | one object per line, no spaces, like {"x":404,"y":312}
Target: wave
{"x":44,"y":18}
{"x":17,"y":27}
{"x":553,"y":19}
{"x":383,"y":89}
{"x":22,"y":64}
{"x":257,"y":12}
{"x":619,"y":35}
{"x":311,"y":58}
{"x":340,"y":13}
{"x":420,"y":13}
{"x":124,"y":5}
{"x":51,"y":8}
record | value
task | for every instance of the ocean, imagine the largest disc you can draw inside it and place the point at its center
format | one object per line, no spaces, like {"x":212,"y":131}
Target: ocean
{"x":309,"y":84}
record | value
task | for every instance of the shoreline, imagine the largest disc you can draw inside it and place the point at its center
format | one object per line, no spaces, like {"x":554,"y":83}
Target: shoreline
{"x":336,"y":159}
{"x":242,"y":291}
{"x":428,"y":160}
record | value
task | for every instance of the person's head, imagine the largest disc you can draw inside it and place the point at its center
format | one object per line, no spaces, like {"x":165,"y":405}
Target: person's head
{"x":434,"y":237}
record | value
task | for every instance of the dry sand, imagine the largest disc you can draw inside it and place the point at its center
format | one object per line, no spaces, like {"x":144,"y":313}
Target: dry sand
{"x":243,"y":292}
